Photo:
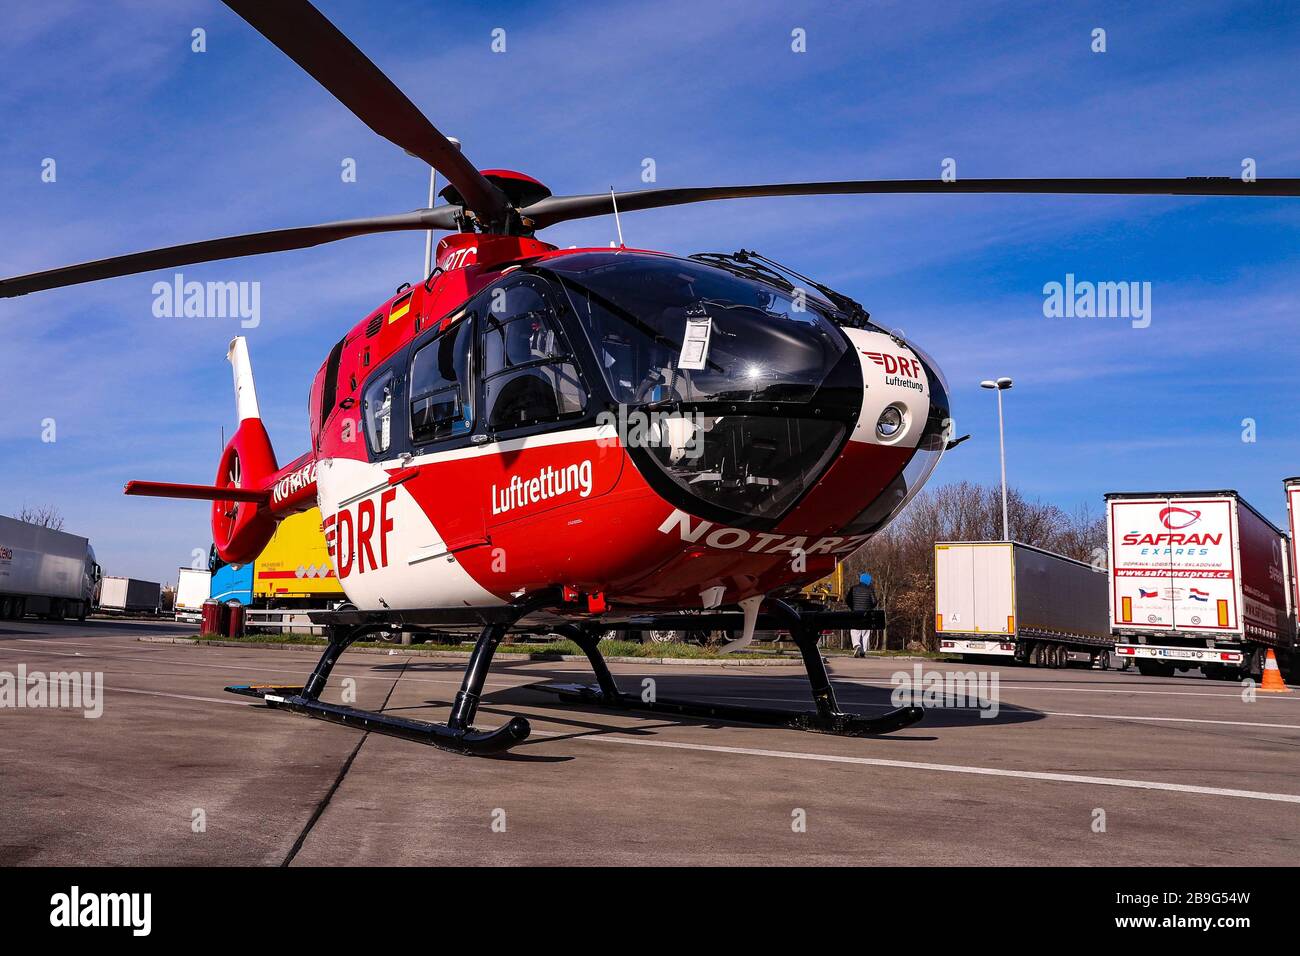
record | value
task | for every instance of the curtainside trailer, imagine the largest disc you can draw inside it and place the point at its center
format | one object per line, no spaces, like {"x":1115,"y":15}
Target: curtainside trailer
{"x":1198,"y":579}
{"x":121,"y":595}
{"x":50,"y":573}
{"x":1006,"y":599}
{"x":291,"y":577}
{"x":294,"y":569}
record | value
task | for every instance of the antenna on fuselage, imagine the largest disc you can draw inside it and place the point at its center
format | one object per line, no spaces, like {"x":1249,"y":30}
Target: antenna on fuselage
{"x":617,"y":222}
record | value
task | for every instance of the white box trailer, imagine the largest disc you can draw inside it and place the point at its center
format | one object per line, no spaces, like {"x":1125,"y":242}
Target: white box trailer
{"x":1006,"y":599}
{"x":193,"y":585}
{"x":45,"y":572}
{"x":1198,"y":579}
{"x":129,"y":595}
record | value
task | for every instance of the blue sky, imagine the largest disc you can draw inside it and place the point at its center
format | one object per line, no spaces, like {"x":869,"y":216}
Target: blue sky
{"x":156,"y":144}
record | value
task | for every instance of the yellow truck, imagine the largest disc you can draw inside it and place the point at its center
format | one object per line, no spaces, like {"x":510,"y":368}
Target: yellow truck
{"x":295,"y":568}
{"x":828,"y":591}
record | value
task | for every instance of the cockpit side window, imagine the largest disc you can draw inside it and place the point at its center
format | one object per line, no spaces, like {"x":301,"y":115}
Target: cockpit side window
{"x":441,"y":396}
{"x":330,"y":393}
{"x":528,"y":367}
{"x":377,"y":406}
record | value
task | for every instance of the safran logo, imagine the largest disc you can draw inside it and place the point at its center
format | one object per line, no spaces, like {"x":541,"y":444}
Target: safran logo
{"x":1175,"y":519}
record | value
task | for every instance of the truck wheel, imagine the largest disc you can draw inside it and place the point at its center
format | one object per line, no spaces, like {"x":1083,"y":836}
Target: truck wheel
{"x":1103,"y":661}
{"x":1062,"y":656}
{"x":1035,"y":656}
{"x":1253,"y":666}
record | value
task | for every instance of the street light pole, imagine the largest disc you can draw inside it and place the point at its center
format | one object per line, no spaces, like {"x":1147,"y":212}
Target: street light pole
{"x":1000,"y":386}
{"x":433,"y":193}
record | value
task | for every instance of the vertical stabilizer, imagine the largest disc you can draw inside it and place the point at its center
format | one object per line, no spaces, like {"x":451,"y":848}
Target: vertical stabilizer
{"x":245,"y":391}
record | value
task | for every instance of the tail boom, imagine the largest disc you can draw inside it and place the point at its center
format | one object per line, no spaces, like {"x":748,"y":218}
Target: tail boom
{"x":168,"y":489}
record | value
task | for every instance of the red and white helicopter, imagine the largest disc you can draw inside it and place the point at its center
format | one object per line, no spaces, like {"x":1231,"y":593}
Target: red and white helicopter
{"x":578,"y":439}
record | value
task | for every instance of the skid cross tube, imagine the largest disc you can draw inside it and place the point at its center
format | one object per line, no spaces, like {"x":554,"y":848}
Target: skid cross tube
{"x":457,"y":735}
{"x":804,"y":630}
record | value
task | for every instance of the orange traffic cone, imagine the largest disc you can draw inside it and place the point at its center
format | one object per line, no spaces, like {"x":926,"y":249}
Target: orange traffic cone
{"x":1272,"y":676}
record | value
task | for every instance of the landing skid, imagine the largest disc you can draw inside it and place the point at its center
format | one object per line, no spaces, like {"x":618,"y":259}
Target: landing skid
{"x":804,"y":630}
{"x":462,"y":740}
{"x":835,"y":723}
{"x":457,"y":735}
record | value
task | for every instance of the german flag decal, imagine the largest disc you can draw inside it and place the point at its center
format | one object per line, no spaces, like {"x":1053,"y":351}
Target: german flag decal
{"x":400,"y":308}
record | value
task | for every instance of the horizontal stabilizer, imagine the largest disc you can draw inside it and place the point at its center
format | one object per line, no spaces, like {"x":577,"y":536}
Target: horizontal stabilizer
{"x":166,"y":489}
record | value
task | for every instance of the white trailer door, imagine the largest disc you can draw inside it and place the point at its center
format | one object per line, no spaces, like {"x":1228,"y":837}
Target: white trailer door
{"x":1293,"y":521}
{"x":992,"y":573}
{"x":973,"y":592}
{"x":954,"y":591}
{"x":1205,"y":564}
{"x":1140,"y":565}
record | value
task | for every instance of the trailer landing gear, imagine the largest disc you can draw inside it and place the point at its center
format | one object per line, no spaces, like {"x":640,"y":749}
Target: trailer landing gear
{"x":457,"y":735}
{"x":804,"y":630}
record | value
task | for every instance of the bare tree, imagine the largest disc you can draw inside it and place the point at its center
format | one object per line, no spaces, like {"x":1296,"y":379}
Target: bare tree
{"x":901,"y":558}
{"x":47,"y":516}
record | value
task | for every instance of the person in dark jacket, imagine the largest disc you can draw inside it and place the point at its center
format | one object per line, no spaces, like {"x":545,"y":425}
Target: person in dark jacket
{"x":862,"y":598}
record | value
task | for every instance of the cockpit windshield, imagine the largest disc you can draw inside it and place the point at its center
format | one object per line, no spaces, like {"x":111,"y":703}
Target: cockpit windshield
{"x":751,"y":387}
{"x":673,"y":331}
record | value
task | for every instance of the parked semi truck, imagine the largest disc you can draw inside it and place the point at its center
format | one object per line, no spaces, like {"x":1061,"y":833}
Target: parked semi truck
{"x":292,"y":575}
{"x":45,"y":572}
{"x":192,"y":589}
{"x":293,"y":570}
{"x":123,"y":595}
{"x":1006,"y":599}
{"x":1198,"y":579}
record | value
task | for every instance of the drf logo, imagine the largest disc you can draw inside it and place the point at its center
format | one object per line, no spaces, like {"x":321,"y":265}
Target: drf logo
{"x":896,"y":364}
{"x":350,"y":534}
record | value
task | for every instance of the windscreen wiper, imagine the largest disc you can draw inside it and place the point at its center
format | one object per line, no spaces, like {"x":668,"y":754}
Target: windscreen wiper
{"x":752,"y":265}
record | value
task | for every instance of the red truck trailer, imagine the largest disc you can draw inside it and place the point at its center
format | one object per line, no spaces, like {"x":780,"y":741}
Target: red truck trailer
{"x":1197,"y":579}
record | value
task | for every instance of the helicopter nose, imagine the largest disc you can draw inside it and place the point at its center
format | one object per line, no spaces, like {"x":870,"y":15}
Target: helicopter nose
{"x":891,"y":449}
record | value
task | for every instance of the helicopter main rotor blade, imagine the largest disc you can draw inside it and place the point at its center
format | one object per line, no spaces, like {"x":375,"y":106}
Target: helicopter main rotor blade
{"x":556,"y":209}
{"x":230,"y":247}
{"x":304,"y":34}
